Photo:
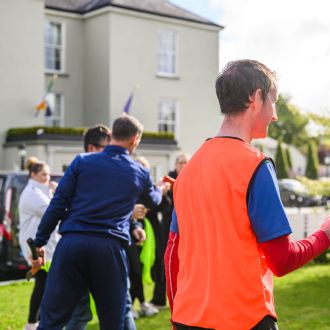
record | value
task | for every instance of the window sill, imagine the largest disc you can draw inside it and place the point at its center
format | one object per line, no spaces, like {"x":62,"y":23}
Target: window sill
{"x":167,"y":76}
{"x":58,"y":73}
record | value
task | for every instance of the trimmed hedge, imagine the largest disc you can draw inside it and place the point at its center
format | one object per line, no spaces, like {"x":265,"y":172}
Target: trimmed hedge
{"x":75,"y":131}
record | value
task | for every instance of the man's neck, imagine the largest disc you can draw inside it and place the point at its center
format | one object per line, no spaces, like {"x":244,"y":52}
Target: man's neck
{"x":123,"y":144}
{"x":236,"y":126}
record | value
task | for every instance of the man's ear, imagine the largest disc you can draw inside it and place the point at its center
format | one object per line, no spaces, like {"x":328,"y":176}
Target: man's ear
{"x":256,"y":99}
{"x":136,"y":139}
{"x":90,"y":148}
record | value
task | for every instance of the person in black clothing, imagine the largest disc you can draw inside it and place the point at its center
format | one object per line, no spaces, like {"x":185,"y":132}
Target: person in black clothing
{"x":160,"y":218}
{"x":136,"y":266}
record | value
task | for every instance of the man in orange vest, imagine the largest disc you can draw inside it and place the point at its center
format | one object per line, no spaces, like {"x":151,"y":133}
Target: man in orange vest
{"x":234,"y":233}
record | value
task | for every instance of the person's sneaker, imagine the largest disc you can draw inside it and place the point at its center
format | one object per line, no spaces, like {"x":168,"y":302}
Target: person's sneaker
{"x":159,"y":307}
{"x":148,"y":310}
{"x":135,"y":314}
{"x":31,"y":326}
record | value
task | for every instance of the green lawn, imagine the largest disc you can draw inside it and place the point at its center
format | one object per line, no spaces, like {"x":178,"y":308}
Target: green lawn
{"x":302,"y":303}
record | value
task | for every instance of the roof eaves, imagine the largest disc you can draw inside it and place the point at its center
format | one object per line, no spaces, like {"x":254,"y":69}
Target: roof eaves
{"x":168,"y":15}
{"x":83,"y":11}
{"x":73,"y":11}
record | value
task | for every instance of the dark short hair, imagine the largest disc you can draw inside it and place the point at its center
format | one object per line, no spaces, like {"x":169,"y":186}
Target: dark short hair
{"x":239,"y":80}
{"x":126,"y":127}
{"x":96,"y":135}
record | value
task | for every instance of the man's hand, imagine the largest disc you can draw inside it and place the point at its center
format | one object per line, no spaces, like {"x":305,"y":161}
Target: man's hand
{"x":326,"y":226}
{"x":140,"y":235}
{"x":52,"y":186}
{"x":37,"y":263}
{"x":139,"y":211}
{"x":164,"y":187}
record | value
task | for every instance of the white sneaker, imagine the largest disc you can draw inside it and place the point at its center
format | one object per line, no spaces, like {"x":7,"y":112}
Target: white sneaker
{"x":135,"y":314}
{"x":159,"y":307}
{"x":31,"y":326}
{"x":148,"y":310}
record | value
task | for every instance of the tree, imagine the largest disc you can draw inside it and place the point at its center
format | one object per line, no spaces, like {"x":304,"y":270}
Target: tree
{"x":288,"y":157}
{"x":291,"y":123}
{"x":282,"y":168}
{"x":312,"y":166}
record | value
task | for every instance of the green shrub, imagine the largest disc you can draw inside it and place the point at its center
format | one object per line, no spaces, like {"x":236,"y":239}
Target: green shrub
{"x":282,"y":168}
{"x":312,"y":161}
{"x":288,"y":157}
{"x":316,"y":187}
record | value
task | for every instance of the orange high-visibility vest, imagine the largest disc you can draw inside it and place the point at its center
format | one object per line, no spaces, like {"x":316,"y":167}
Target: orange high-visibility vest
{"x":223,"y":281}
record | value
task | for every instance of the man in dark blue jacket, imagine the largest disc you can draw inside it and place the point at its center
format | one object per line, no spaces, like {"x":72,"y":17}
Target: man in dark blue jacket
{"x":95,"y":200}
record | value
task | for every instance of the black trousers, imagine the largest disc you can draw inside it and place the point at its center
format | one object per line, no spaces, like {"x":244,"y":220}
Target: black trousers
{"x":37,"y":293}
{"x":135,"y":273}
{"x":161,"y":230}
{"x":267,"y":323}
{"x":84,"y":263}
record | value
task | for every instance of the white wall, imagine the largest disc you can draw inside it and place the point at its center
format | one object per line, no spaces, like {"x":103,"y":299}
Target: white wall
{"x":107,"y":53}
{"x":96,"y":70}
{"x":270,"y":147}
{"x":70,"y":82}
{"x":133,"y":50}
{"x":21,"y":64}
{"x":306,"y":220}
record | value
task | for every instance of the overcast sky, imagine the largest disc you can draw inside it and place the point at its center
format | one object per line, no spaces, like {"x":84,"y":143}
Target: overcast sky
{"x":291,"y":37}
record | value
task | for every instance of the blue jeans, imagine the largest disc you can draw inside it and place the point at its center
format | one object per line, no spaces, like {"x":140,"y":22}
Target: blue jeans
{"x":82,"y":314}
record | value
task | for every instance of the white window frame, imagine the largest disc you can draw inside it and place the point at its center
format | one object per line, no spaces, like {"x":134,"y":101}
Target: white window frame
{"x":166,"y":67}
{"x":171,"y":102}
{"x":59,"y":47}
{"x":59,"y":120}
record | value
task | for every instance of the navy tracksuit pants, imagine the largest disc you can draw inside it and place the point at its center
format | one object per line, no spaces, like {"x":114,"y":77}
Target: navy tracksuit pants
{"x":84,"y":263}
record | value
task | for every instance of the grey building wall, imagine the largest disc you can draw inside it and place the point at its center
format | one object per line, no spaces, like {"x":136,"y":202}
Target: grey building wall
{"x":21,"y":64}
{"x":133,"y":60}
{"x":106,"y":53}
{"x":70,"y":82}
{"x":96,"y":69}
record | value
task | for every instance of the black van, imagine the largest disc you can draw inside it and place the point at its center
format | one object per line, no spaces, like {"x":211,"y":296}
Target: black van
{"x":11,"y":187}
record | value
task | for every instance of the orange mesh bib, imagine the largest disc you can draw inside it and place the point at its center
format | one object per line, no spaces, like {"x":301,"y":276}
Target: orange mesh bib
{"x":223,"y":281}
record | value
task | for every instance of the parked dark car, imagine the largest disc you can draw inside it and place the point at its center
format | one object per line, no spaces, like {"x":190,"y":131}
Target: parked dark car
{"x":294,"y":193}
{"x":11,"y":187}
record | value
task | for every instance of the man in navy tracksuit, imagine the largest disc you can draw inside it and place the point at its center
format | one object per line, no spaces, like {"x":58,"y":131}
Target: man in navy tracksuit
{"x":94,"y":200}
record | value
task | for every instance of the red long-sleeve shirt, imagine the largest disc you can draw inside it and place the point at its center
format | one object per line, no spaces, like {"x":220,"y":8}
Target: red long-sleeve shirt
{"x":283,"y":255}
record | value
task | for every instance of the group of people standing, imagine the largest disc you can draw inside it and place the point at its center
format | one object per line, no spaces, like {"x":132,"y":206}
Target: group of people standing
{"x":36,"y":198}
{"x":228,"y":230}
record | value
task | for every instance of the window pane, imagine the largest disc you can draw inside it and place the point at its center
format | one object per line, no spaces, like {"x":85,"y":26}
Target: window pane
{"x":53,"y":46}
{"x":54,"y":102}
{"x":167,"y":116}
{"x":166,"y":53}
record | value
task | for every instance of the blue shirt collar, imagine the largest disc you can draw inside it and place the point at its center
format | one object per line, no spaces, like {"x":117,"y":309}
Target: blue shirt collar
{"x":117,"y":149}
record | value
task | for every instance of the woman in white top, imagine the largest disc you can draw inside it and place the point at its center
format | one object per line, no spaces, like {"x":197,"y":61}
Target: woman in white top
{"x":33,"y":202}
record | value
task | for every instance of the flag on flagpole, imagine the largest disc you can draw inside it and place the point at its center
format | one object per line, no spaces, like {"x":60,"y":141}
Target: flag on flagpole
{"x":128,"y":104}
{"x":129,"y":101}
{"x":42,"y":105}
